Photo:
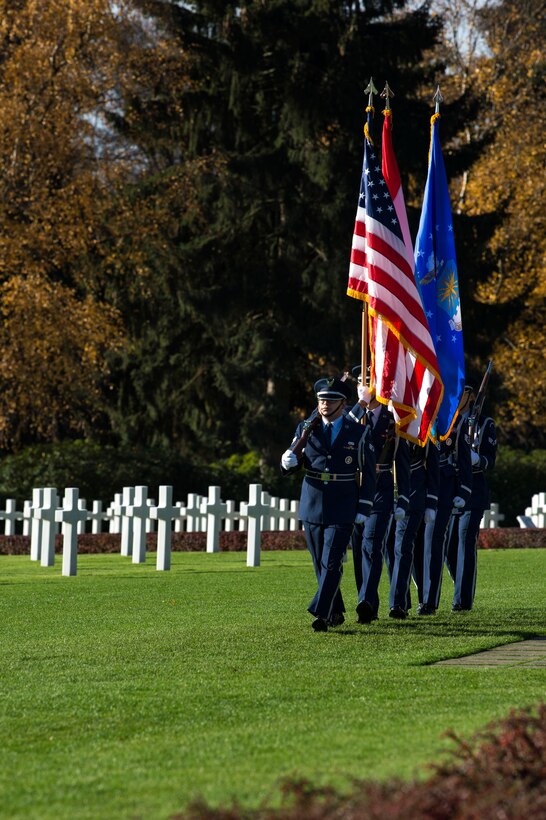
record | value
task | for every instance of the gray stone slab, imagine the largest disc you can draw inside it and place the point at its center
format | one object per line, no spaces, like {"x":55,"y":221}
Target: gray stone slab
{"x":530,"y":654}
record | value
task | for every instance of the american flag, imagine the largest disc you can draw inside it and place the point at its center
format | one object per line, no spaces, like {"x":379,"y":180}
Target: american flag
{"x":404,"y":367}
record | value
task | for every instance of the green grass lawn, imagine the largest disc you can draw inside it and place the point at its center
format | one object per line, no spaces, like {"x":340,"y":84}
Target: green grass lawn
{"x":126,"y":693}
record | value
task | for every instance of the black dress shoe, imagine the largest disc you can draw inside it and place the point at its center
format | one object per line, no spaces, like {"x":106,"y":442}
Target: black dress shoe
{"x":398,"y":612}
{"x":336,"y":619}
{"x":320,"y":625}
{"x":365,"y":613}
{"x":460,"y":608}
{"x":426,"y":609}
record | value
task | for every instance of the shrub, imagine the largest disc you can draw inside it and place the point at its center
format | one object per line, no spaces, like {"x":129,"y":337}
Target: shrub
{"x":499,"y":773}
{"x":512,"y":538}
{"x":90,"y":543}
{"x":506,"y":538}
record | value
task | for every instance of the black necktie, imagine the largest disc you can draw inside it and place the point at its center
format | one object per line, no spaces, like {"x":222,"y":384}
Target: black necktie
{"x":328,"y":435}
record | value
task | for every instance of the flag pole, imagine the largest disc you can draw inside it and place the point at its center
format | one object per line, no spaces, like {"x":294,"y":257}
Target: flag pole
{"x":370,"y":90}
{"x":364,"y":350}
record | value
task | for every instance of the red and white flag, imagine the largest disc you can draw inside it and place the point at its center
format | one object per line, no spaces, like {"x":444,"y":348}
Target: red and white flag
{"x":404,"y":367}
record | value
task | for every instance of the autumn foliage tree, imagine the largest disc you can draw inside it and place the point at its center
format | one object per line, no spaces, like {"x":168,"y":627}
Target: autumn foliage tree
{"x":506,"y":193}
{"x":55,"y":329}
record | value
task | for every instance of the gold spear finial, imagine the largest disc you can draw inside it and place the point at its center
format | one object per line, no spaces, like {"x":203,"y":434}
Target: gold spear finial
{"x":387,"y":93}
{"x":370,"y":90}
{"x":438,"y":99}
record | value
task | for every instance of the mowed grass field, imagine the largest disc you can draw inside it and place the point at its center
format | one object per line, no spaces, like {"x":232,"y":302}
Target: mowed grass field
{"x":128,"y":693}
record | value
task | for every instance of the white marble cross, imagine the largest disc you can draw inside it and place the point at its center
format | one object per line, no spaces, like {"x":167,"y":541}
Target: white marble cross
{"x":36,"y":524}
{"x":113,"y":514}
{"x":46,"y":514}
{"x":180,"y":517}
{"x":164,"y":513}
{"x":193,"y":513}
{"x":127,"y":499}
{"x":27,"y":517}
{"x":10,"y":516}
{"x":255,"y":510}
{"x":70,"y":516}
{"x":96,"y":516}
{"x":139,"y":512}
{"x":216,"y":510}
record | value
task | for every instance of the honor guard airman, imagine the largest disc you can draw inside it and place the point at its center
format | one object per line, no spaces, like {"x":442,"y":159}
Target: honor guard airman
{"x":338,"y":460}
{"x":455,"y":490}
{"x":423,"y":503}
{"x":461,"y":556}
{"x":391,"y":499}
{"x":374,"y":414}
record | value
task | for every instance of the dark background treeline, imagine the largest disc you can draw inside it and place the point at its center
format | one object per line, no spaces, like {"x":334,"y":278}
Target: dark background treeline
{"x":177,"y":192}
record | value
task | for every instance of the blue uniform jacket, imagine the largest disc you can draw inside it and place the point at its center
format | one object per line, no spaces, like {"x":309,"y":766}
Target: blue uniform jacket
{"x":425,"y":477}
{"x":327,"y":501}
{"x":455,"y":465}
{"x":395,"y":453}
{"x":388,"y":449}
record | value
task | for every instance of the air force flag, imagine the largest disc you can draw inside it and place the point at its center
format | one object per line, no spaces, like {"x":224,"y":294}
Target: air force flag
{"x":436,"y":276}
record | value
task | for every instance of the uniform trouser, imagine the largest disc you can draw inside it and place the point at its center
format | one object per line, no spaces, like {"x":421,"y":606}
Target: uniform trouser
{"x":433,"y":556}
{"x":376,"y":529}
{"x":452,"y":545}
{"x":388,"y":548}
{"x":418,"y":560}
{"x":461,"y":558}
{"x":327,"y":545}
{"x":404,"y":539}
{"x":356,"y":549}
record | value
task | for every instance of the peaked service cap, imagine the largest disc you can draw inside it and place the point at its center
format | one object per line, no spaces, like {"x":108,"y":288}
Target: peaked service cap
{"x":332,"y":389}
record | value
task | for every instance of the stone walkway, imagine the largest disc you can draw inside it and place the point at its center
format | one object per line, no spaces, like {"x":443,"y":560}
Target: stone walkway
{"x":530,"y":653}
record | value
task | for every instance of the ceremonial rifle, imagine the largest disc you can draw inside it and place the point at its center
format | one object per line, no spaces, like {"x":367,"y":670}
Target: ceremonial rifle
{"x":478,"y":404}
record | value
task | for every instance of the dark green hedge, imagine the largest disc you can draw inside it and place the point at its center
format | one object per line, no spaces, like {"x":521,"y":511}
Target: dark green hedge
{"x":101,"y":471}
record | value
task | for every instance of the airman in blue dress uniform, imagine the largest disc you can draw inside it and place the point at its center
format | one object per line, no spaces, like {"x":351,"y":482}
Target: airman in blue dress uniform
{"x":423,"y":503}
{"x":391,"y":499}
{"x":371,"y":412}
{"x":455,"y":491}
{"x":461,"y":558}
{"x":338,"y":489}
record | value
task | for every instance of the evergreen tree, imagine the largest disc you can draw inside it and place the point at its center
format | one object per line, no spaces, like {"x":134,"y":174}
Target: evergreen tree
{"x":246,"y":304}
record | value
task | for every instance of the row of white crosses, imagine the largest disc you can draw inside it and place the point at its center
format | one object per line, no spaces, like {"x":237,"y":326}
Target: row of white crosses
{"x":535,"y":515}
{"x":132,"y":511}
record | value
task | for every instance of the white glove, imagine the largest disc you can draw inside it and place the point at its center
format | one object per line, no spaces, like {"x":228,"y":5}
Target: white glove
{"x":289,"y":460}
{"x":458,"y":502}
{"x":475,"y":458}
{"x":430,"y":516}
{"x":364,"y":393}
{"x":360,"y":518}
{"x":399,"y":514}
